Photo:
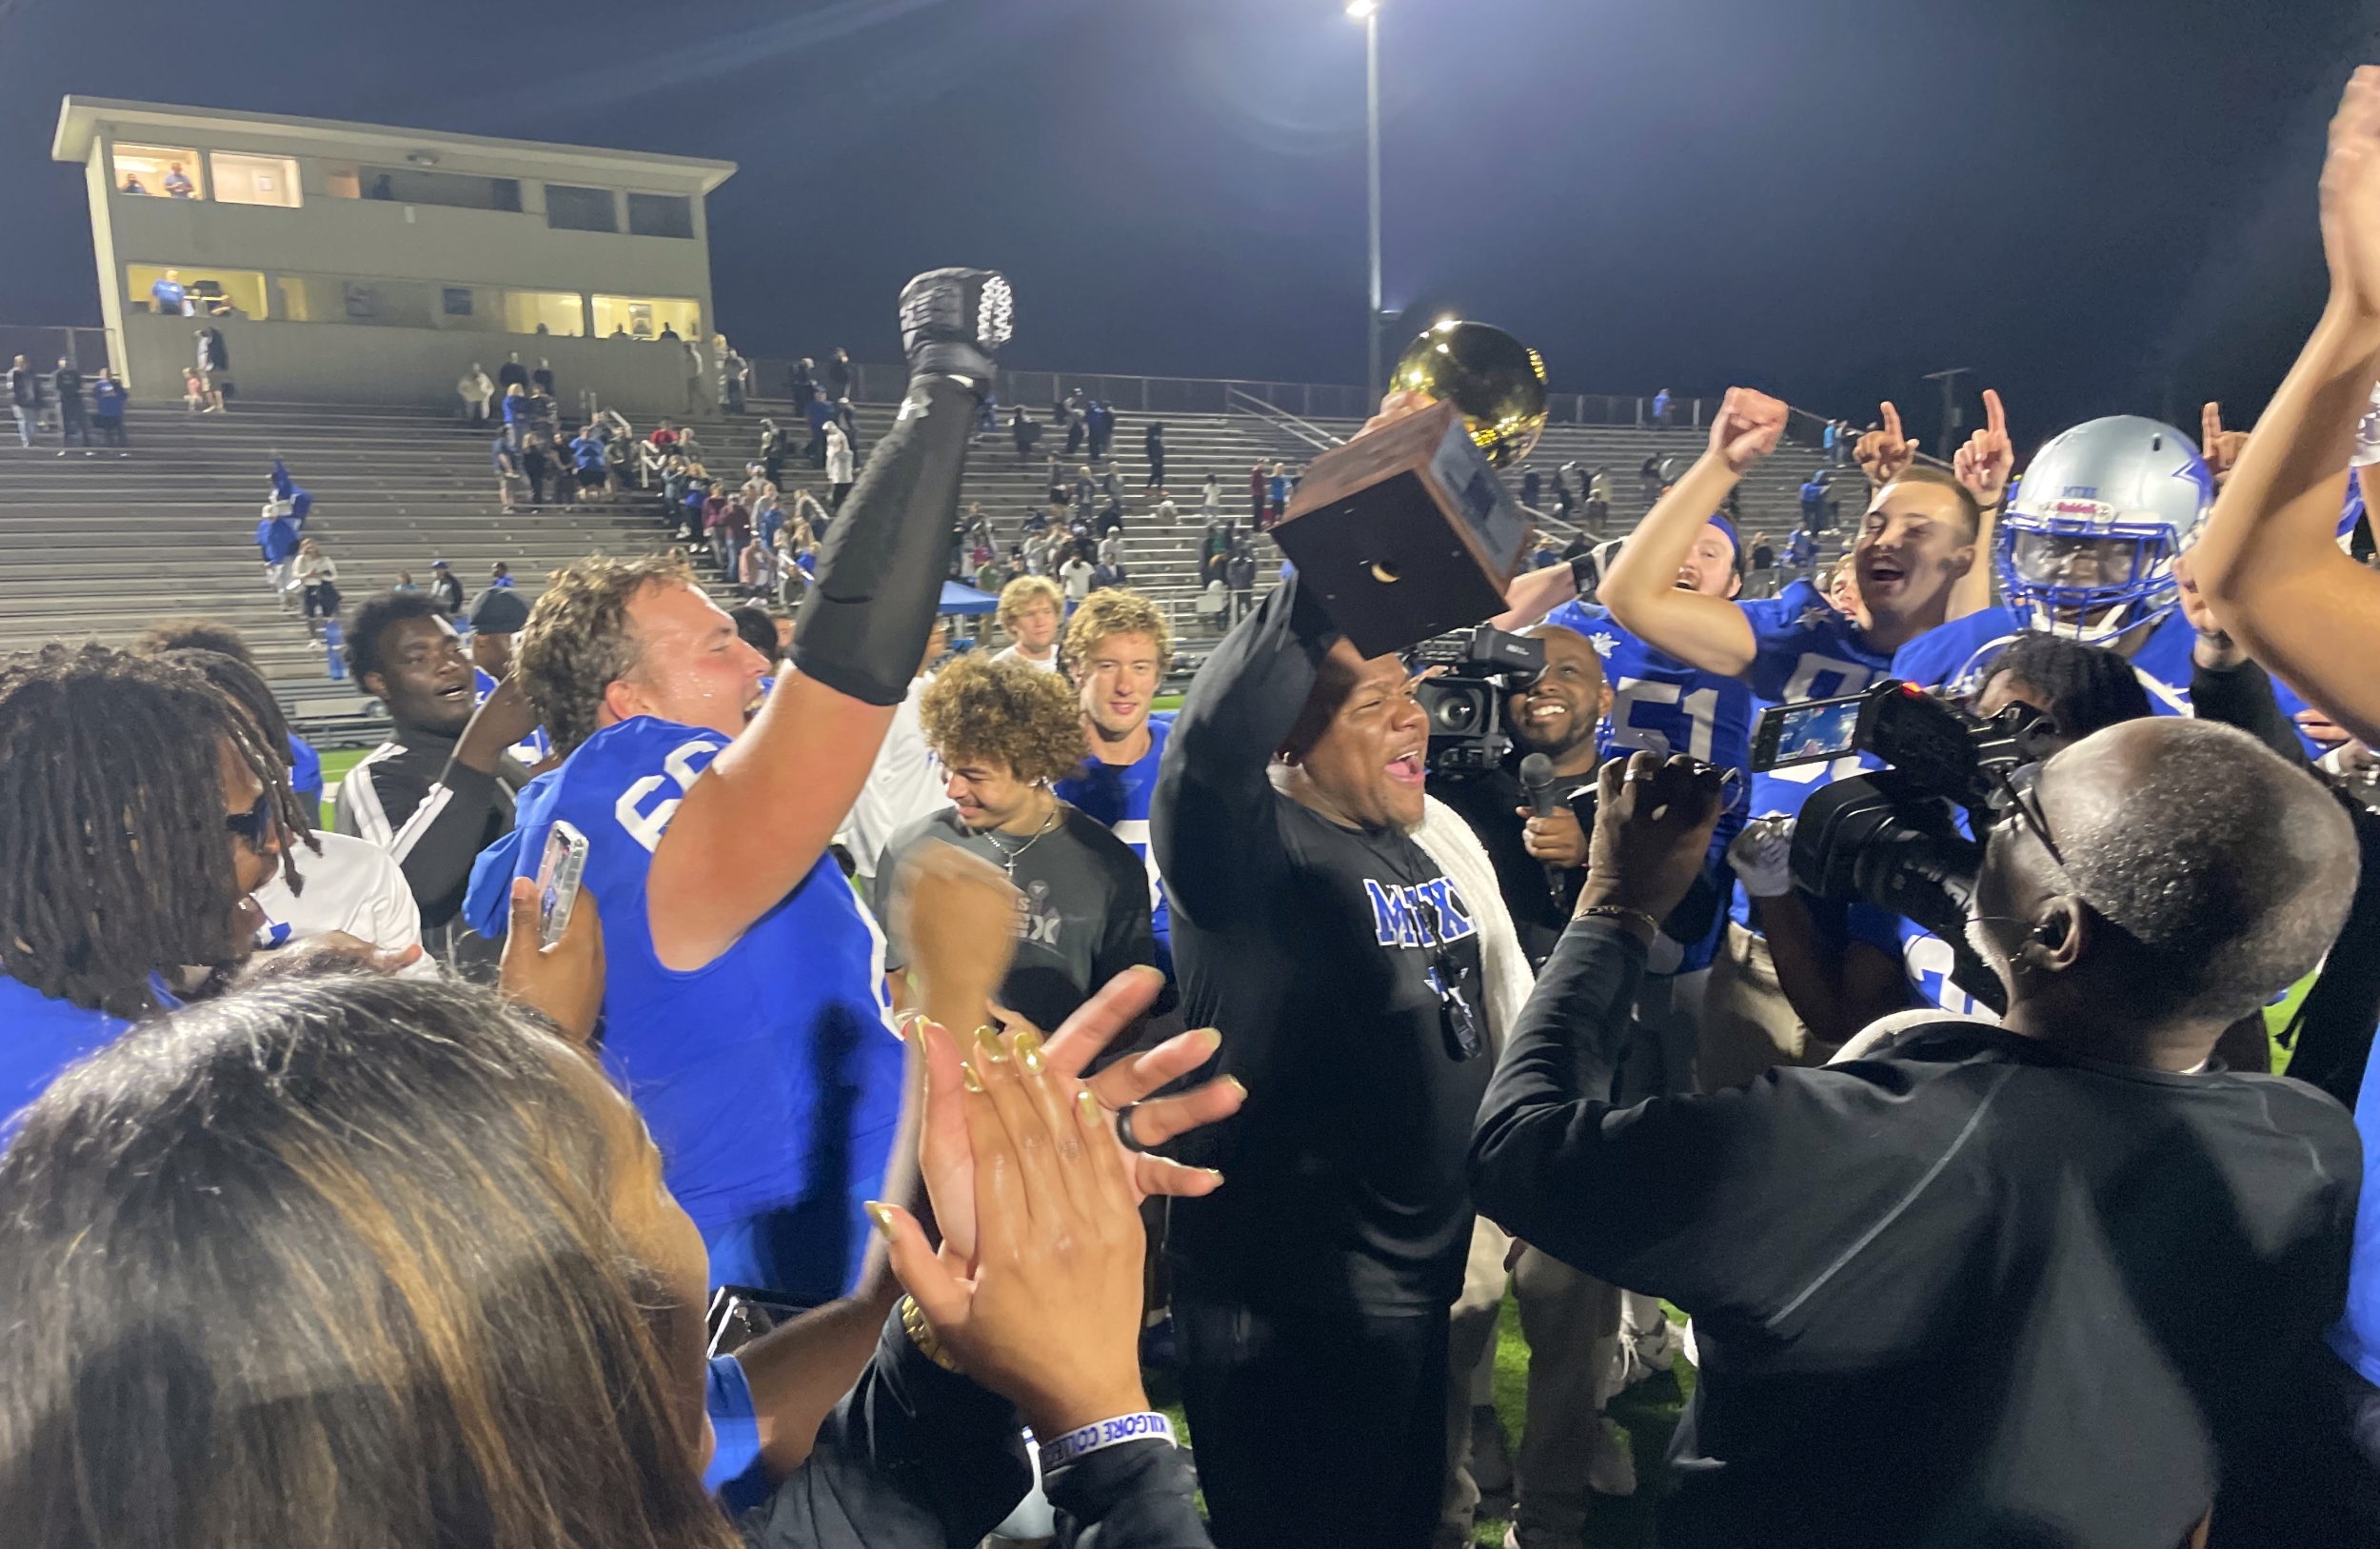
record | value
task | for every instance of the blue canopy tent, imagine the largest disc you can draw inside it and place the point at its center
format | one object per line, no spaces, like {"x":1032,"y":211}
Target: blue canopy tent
{"x":964,"y":599}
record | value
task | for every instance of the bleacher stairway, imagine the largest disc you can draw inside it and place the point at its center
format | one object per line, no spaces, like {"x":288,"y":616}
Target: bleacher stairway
{"x":94,"y":545}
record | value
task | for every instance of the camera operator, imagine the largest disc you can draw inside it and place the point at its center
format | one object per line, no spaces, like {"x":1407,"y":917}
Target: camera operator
{"x":1874,"y":1252}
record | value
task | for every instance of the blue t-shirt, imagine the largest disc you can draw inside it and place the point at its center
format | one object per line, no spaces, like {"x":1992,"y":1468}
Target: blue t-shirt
{"x":168,"y":294}
{"x":1665,"y":706}
{"x":40,"y":1035}
{"x":306,"y":770}
{"x":770,"y":1077}
{"x":590,"y":453}
{"x":2356,"y":1338}
{"x":107,"y":401}
{"x":1118,"y":796}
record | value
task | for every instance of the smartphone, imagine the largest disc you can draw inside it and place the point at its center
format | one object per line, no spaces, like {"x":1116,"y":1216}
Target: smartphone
{"x":558,"y":874}
{"x":1806,"y":732}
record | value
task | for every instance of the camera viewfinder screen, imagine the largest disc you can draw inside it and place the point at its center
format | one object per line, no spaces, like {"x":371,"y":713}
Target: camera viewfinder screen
{"x":1822,"y":730}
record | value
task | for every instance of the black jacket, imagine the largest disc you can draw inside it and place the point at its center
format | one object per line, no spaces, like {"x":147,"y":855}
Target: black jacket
{"x":918,"y":1458}
{"x":434,"y":815}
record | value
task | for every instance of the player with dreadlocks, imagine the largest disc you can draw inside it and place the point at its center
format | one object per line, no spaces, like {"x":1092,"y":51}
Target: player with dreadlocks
{"x":140,"y":807}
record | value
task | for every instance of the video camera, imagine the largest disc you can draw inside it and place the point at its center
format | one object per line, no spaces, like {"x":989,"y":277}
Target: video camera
{"x":1892,"y":837}
{"x":1466,"y":700}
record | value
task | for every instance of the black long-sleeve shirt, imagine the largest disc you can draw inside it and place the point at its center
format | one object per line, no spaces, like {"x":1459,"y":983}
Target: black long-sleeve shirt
{"x":918,"y":1458}
{"x":1311,"y":947}
{"x":1977,"y":1290}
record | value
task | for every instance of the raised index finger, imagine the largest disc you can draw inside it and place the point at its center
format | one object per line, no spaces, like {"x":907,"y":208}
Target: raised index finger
{"x":1994,"y":417}
{"x":1892,"y":419}
{"x":2210,"y":426}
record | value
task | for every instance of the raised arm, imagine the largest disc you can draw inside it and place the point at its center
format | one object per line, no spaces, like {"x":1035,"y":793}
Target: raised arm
{"x":2268,"y":559}
{"x":1983,"y":465}
{"x":755,"y":825}
{"x":1641,"y":589}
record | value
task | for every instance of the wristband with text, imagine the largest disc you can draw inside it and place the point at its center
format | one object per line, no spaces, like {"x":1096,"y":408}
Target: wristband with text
{"x":1075,"y":1445}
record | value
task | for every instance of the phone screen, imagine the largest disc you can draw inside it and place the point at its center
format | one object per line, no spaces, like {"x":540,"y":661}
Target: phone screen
{"x":1823,"y":730}
{"x":558,"y":873}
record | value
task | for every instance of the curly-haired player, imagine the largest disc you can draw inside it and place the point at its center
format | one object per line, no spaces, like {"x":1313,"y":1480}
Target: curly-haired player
{"x":1007,"y":733}
{"x":1118,"y":650}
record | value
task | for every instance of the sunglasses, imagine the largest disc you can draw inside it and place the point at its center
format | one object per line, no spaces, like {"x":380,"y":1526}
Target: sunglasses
{"x":255,"y":825}
{"x":1464,"y":1040}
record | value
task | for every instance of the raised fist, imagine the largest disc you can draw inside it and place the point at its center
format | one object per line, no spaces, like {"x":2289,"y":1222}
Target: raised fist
{"x":1746,"y":428}
{"x":1985,"y":462}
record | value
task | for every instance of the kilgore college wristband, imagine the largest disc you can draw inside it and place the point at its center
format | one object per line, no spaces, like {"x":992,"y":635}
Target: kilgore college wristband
{"x":1075,"y":1445}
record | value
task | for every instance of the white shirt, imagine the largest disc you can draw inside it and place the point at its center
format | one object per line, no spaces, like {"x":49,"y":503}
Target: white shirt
{"x":838,"y":455}
{"x":905,"y":783}
{"x":1038,"y":664}
{"x":1078,"y":580}
{"x":354,"y":886}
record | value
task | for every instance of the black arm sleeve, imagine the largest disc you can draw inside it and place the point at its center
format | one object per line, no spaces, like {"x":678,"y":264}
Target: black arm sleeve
{"x":2241,"y":697}
{"x":1139,"y":1494}
{"x":880,"y":577}
{"x":1213,"y":803}
{"x":913,"y":1456}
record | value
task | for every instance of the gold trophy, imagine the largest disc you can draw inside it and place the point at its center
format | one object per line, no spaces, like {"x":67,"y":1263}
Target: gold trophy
{"x":1406,"y":532}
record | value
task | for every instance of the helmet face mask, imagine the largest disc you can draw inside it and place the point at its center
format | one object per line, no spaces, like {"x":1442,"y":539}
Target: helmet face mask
{"x":2087,"y":548}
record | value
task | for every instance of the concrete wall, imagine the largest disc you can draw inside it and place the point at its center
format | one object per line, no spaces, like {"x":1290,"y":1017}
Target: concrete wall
{"x":335,"y":363}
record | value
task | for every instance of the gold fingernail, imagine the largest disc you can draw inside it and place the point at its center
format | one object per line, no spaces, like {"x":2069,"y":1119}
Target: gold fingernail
{"x":989,"y":1037}
{"x":1212,"y":1036}
{"x":1236,"y":1082}
{"x":1029,"y":1044}
{"x":880,"y":1213}
{"x":1087,"y":1105}
{"x":966,"y":1073}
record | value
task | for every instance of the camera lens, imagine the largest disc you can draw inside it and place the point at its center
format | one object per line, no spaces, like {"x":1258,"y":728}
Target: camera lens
{"x":1455,"y":714}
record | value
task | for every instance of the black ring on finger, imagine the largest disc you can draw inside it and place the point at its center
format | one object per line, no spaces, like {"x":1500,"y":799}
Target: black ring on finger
{"x":1123,"y":1130}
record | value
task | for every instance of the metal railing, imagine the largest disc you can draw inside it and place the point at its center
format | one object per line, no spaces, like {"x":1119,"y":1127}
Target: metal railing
{"x":43,"y":347}
{"x":1288,"y":424}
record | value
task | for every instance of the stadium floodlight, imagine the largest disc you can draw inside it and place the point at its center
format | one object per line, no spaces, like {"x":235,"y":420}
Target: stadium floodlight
{"x":1362,"y":10}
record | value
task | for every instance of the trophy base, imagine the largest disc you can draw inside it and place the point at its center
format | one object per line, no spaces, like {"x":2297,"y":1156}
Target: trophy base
{"x":1404,"y":534}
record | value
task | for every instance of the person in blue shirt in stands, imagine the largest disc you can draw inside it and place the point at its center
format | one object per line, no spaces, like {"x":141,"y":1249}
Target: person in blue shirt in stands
{"x":1118,"y":650}
{"x":138,"y":812}
{"x":107,"y":398}
{"x":169,"y":297}
{"x":744,"y":1004}
{"x":1914,"y":562}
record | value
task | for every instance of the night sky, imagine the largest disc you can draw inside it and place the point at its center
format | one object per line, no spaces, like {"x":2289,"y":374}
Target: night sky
{"x":2099,"y":205}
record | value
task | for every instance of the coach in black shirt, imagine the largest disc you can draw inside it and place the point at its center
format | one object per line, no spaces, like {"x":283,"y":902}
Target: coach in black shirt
{"x":1311,"y":1291}
{"x":2053,"y":1282}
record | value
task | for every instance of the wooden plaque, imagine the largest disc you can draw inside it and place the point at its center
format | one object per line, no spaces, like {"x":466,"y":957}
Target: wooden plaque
{"x":1404,"y":534}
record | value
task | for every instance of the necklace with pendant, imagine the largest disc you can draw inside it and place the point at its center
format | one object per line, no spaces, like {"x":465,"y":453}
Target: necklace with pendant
{"x":1009,"y":858}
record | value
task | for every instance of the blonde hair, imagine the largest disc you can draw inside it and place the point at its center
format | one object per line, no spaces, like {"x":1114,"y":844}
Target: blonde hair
{"x":577,"y":641}
{"x":1023,"y":593}
{"x":1112,"y":610}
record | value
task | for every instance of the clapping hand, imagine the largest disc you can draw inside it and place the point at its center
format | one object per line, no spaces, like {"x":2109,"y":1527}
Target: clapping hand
{"x":1984,"y":464}
{"x":1746,"y":428}
{"x":1885,"y":454}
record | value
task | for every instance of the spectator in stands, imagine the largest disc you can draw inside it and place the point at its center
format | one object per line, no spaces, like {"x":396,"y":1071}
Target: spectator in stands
{"x":1005,"y":734}
{"x":1662,"y":409}
{"x":1077,"y":576}
{"x":214,"y":366}
{"x":1277,"y":494}
{"x":1763,"y":565}
{"x":445,"y":590}
{"x":1030,"y":608}
{"x":477,"y":393}
{"x":819,"y":414}
{"x":586,"y":456}
{"x":405,"y":582}
{"x":163,"y":636}
{"x":512,"y":375}
{"x":139,"y":810}
{"x":838,"y":374}
{"x":734,"y":373}
{"x":1023,"y":426}
{"x":536,"y":465}
{"x":1240,"y":574}
{"x":441,"y":790}
{"x":839,"y":466}
{"x":510,"y":484}
{"x":800,"y":382}
{"x":774,"y":449}
{"x":520,"y":417}
{"x":1072,"y":410}
{"x":1152,"y":446}
{"x":74,"y":415}
{"x":500,"y":574}
{"x":317,"y":577}
{"x":107,"y":398}
{"x":167,"y":298}
{"x":693,"y":367}
{"x":23,"y":400}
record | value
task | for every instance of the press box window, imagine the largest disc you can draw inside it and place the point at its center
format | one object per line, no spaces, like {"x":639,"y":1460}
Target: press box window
{"x":580,"y":209}
{"x":644,"y":317}
{"x":412,"y":186}
{"x":660,"y":215}
{"x":206,"y":292}
{"x":556,"y":312}
{"x":253,"y":179}
{"x":159,"y":172}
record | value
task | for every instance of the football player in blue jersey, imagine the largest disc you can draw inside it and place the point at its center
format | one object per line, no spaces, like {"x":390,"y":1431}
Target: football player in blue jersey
{"x":1118,"y":650}
{"x":743,"y":1004}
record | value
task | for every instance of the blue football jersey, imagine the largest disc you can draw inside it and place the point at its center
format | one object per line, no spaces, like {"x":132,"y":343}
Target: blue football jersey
{"x":1663,"y":705}
{"x":1118,"y":796}
{"x":531,"y":750}
{"x":1957,"y":651}
{"x":771,"y":1078}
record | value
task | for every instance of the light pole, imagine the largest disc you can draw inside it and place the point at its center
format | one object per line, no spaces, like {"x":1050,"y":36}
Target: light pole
{"x":1949,"y":405}
{"x":1368,"y":12}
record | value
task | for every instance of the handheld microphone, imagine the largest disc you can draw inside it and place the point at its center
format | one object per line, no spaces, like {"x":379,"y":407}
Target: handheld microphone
{"x":1536,"y":782}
